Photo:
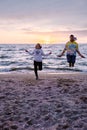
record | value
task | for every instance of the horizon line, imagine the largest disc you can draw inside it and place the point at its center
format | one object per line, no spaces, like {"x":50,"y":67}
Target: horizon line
{"x":42,"y":43}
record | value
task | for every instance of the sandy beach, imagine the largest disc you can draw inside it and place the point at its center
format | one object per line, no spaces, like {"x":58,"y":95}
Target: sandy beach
{"x":54,"y":102}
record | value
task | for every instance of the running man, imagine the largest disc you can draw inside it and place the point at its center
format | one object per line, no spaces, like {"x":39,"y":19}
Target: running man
{"x":37,"y":53}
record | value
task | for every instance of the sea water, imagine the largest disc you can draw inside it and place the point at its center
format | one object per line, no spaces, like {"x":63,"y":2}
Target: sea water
{"x":14,"y":58}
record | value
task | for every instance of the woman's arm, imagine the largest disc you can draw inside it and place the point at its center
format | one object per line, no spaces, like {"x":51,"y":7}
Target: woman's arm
{"x":80,"y":53}
{"x":62,"y":53}
{"x":64,"y":50}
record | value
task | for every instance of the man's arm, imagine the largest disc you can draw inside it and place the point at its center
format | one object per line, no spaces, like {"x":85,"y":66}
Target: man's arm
{"x":80,"y":53}
{"x":46,"y":54}
{"x":30,"y":53}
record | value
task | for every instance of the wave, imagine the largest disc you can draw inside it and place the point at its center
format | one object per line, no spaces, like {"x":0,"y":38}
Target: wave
{"x":14,"y":58}
{"x":3,"y":57}
{"x":20,"y":68}
{"x":8,"y":69}
{"x":69,"y":69}
{"x":64,"y":69}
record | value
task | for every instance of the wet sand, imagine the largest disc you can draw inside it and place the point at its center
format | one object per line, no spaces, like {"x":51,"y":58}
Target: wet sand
{"x":54,"y":102}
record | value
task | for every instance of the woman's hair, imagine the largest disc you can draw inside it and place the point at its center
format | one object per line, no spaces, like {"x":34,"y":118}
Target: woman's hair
{"x":72,"y":36}
{"x":38,"y":46}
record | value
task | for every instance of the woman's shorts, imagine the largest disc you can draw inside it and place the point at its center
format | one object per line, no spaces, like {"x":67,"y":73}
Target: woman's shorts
{"x":38,"y":64}
{"x":71,"y":58}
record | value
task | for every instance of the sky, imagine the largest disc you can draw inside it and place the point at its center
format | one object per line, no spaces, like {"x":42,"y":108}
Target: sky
{"x":44,"y":21}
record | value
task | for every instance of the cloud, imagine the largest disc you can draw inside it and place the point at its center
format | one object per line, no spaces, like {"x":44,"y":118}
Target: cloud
{"x":44,"y":17}
{"x":41,"y":9}
{"x":56,"y":33}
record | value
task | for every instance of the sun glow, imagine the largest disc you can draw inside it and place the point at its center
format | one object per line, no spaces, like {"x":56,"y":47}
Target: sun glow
{"x":35,"y":37}
{"x":48,"y":40}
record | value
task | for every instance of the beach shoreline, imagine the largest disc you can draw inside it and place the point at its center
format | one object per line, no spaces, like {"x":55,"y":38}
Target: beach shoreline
{"x":57,"y":101}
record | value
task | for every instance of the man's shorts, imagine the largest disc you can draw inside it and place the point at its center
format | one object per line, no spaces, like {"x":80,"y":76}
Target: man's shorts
{"x":71,"y":58}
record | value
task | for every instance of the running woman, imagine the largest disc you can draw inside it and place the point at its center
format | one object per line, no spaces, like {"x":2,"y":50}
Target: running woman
{"x":37,"y":53}
{"x":71,"y":48}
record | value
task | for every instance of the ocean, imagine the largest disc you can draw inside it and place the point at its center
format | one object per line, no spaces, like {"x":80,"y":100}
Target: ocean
{"x":13,"y":58}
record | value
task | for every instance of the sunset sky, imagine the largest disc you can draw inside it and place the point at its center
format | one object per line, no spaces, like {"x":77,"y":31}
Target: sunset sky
{"x":45,"y":21}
